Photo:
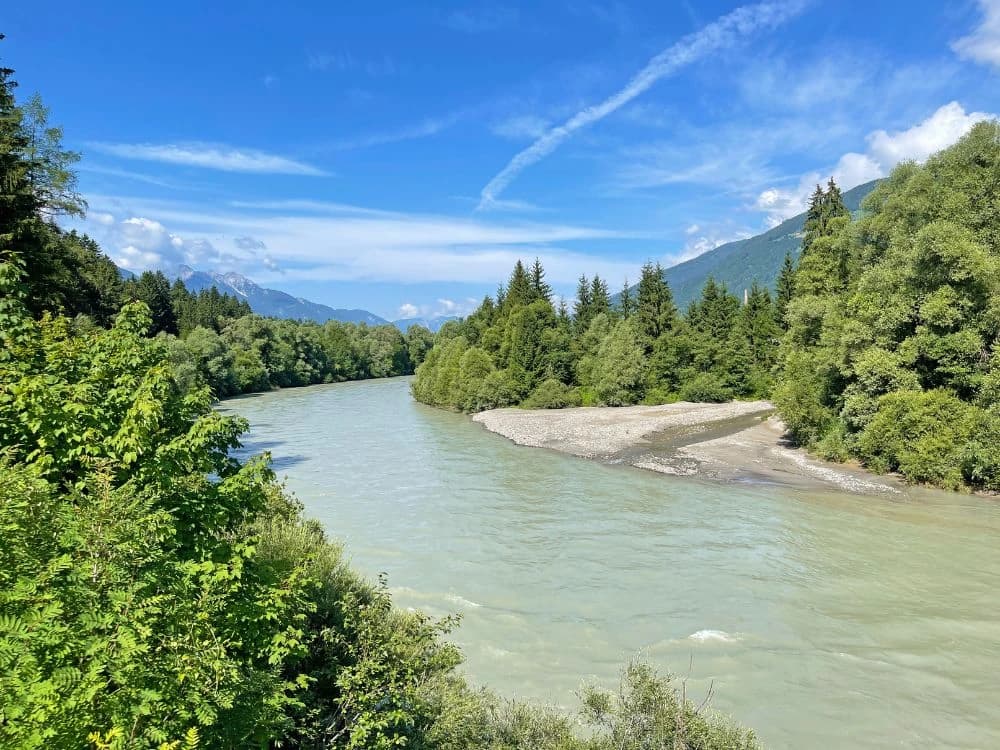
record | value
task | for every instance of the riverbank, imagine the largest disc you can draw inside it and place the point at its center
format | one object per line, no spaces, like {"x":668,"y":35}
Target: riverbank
{"x":740,"y":441}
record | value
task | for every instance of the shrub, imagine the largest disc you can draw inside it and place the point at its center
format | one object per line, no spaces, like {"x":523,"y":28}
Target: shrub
{"x":921,"y":434}
{"x":552,"y":394}
{"x":704,"y":387}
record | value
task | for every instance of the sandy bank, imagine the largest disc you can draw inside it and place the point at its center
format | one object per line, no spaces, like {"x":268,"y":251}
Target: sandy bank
{"x":738,"y":441}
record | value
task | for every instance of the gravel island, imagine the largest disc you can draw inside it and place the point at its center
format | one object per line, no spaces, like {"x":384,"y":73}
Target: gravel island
{"x":735,"y":441}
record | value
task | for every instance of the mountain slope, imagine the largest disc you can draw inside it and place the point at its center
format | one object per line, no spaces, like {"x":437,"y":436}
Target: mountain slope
{"x":738,"y":264}
{"x":271,"y":302}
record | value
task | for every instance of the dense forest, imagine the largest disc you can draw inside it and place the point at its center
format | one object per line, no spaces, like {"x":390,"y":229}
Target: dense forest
{"x":155,"y":591}
{"x":520,"y":349}
{"x":879,"y":345}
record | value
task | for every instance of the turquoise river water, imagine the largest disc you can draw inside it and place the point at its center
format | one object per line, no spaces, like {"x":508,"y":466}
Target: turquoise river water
{"x":821,"y":619}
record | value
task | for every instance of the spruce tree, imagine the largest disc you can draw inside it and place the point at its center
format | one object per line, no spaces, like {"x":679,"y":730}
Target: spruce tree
{"x":654,"y":309}
{"x":785,"y":289}
{"x":582,"y":310}
{"x":625,"y":301}
{"x":600,"y":297}
{"x":539,"y":287}
{"x":519,"y":290}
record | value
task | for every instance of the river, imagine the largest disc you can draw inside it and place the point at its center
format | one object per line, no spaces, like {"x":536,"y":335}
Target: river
{"x":821,"y":619}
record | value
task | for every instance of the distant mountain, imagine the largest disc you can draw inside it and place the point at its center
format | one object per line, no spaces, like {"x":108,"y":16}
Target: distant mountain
{"x":738,"y":264}
{"x":270,"y":302}
{"x":433,"y":324}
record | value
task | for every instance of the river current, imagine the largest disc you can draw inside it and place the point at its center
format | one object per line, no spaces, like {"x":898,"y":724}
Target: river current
{"x":820,"y":619}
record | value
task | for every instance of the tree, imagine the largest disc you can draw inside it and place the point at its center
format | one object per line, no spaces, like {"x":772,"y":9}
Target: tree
{"x":600,"y":298}
{"x":153,"y":289}
{"x":620,"y":368}
{"x":519,"y":289}
{"x":655,"y":311}
{"x":539,"y":286}
{"x":625,"y":301}
{"x":583,"y":310}
{"x":785,"y":289}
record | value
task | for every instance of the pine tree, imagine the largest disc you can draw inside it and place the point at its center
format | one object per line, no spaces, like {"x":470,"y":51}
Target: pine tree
{"x":539,"y":287}
{"x":654,"y":309}
{"x":785,"y":289}
{"x":583,"y":309}
{"x":625,"y":301}
{"x":600,"y":297}
{"x":153,"y":288}
{"x":519,"y":290}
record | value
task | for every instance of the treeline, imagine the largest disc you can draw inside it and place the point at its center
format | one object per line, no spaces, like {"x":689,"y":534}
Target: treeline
{"x":891,"y":354}
{"x":252,"y":353}
{"x":157,"y":593}
{"x":518,"y":349}
{"x":215,"y":339}
{"x":880,"y":345}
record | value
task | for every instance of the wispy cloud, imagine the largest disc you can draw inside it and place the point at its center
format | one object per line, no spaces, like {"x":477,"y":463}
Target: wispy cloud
{"x":520,"y":127}
{"x":314,"y":243}
{"x":209,"y":156}
{"x":345,"y":62}
{"x":983,"y":44}
{"x":423,"y":129}
{"x":718,"y":35}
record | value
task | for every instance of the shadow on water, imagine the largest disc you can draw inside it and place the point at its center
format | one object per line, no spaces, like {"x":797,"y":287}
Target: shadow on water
{"x":286,"y":462}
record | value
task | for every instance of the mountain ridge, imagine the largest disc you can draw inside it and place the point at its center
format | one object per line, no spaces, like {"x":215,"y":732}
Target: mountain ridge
{"x":272,"y":303}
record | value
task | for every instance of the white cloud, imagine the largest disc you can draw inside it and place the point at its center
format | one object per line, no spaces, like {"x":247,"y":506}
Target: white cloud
{"x":885,"y":150}
{"x":139,"y":243}
{"x":520,"y":127}
{"x":983,"y":44}
{"x":722,"y":33}
{"x":701,"y":240}
{"x":439,"y":309}
{"x":209,"y":156}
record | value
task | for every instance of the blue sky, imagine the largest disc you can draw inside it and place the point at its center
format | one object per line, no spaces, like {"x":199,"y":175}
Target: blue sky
{"x":399,"y":157}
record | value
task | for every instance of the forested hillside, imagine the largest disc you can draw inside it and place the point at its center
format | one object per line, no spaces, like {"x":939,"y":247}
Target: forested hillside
{"x":157,"y":593}
{"x":880,"y":343}
{"x":740,"y":264}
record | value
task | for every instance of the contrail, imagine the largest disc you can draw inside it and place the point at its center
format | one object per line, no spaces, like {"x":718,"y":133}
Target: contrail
{"x":720,"y":34}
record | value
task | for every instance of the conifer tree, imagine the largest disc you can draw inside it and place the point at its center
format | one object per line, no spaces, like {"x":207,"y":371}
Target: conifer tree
{"x":583,"y":309}
{"x":519,"y":290}
{"x":539,"y":286}
{"x":785,"y":289}
{"x":625,"y":301}
{"x":600,"y":297}
{"x":655,"y":309}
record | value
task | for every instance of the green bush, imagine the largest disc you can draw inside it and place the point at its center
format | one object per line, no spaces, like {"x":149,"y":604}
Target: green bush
{"x":704,"y":387}
{"x":552,"y":394}
{"x":920,"y":434}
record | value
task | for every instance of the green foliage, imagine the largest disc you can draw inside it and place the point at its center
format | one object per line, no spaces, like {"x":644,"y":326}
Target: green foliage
{"x":532,"y":355}
{"x":552,"y":394}
{"x":890,"y":350}
{"x":649,"y":711}
{"x":621,"y":366}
